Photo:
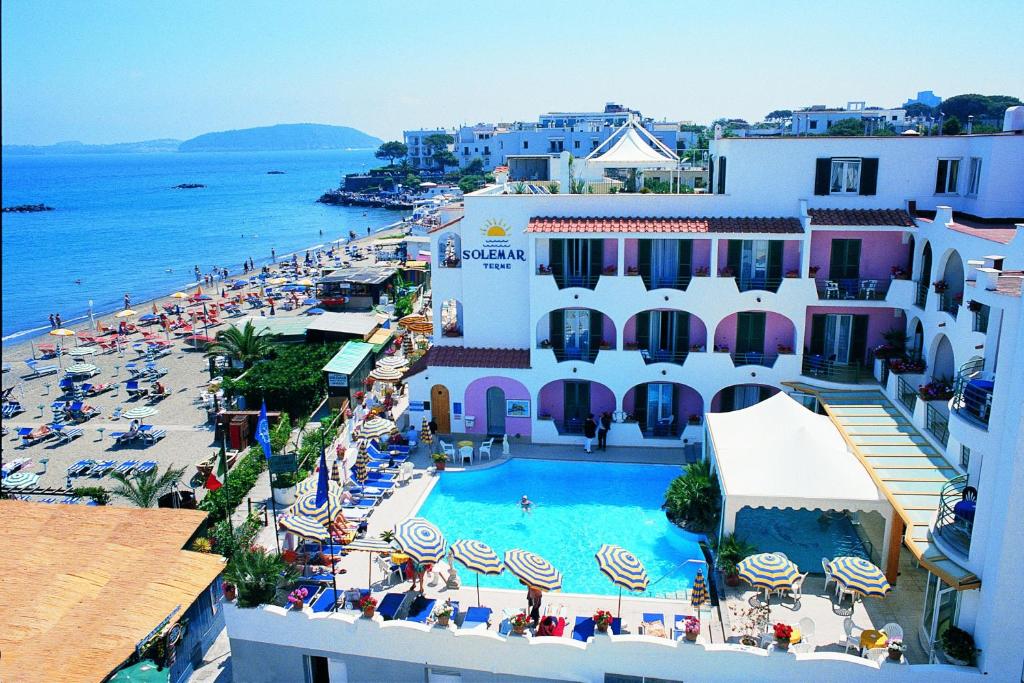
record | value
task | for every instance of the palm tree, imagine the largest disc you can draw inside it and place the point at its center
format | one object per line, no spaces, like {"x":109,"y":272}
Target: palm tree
{"x":258,"y":574}
{"x":243,"y":345}
{"x":692,"y":498}
{"x":144,"y":490}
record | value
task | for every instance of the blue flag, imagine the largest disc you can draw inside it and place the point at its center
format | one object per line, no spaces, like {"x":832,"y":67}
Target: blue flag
{"x":321,"y":483}
{"x":263,"y":431}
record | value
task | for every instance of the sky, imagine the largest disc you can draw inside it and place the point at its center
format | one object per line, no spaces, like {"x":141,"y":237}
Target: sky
{"x":105,"y":71}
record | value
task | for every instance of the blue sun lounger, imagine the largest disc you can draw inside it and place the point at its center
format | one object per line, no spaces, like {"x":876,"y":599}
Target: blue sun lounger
{"x":368,"y":503}
{"x":391,"y":604}
{"x":420,"y":609}
{"x":80,"y":468}
{"x":476,"y":617}
{"x":146,"y":466}
{"x":68,"y":434}
{"x":101,"y":468}
{"x":40,"y":370}
{"x":12,"y":408}
{"x":584,"y":628}
{"x":134,"y":390}
{"x":328,"y":600}
{"x":126,"y":467}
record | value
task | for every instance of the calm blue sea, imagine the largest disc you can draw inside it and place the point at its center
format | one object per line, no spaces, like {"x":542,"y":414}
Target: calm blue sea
{"x":120,"y":227}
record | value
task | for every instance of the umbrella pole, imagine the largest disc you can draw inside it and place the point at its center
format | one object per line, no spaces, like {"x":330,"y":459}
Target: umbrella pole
{"x":478,"y":591}
{"x":619,"y":611}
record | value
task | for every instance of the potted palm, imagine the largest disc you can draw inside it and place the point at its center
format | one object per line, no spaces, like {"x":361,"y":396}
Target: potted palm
{"x":257,"y":575}
{"x":283,"y":487}
{"x":731,"y":550}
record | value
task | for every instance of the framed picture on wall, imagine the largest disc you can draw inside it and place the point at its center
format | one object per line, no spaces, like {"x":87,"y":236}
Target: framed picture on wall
{"x":517,"y":407}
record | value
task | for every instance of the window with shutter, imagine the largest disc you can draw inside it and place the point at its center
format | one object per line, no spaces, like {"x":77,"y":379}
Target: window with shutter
{"x":822,"y":170}
{"x":721,"y":175}
{"x":844,"y":262}
{"x":868,"y":176}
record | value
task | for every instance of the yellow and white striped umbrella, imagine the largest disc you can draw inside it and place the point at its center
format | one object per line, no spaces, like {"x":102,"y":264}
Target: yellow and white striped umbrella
{"x":384,"y":374}
{"x":126,"y":313}
{"x":533,"y":570}
{"x":62,"y":332}
{"x":306,"y":505}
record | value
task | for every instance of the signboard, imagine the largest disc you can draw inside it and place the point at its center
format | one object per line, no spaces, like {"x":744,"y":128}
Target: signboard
{"x":497,"y":252}
{"x":335,"y":379}
{"x":283,"y":464}
{"x":416,"y":406}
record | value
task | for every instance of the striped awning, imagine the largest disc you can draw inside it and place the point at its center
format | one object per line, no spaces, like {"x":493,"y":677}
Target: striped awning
{"x":477,"y":556}
{"x":533,"y":570}
{"x":622,"y":567}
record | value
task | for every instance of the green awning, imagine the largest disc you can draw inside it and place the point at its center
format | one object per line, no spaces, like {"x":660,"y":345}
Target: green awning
{"x":347,"y":360}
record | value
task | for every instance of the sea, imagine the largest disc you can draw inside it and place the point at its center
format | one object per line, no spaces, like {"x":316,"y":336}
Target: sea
{"x":120,"y":226}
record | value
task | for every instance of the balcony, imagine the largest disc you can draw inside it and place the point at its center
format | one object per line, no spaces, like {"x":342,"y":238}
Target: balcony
{"x":950,"y":303}
{"x":853,"y":290}
{"x":937,"y":423}
{"x":753,"y":358}
{"x":955,"y":520}
{"x":652,"y":356}
{"x":906,"y":394}
{"x":585,"y":355}
{"x":566,"y":280}
{"x":821,"y":368}
{"x":972,"y":393}
{"x":680,"y":283}
{"x":750,"y":284}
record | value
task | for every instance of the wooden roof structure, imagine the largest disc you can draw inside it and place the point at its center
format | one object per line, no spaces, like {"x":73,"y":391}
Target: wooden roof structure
{"x":84,"y":584}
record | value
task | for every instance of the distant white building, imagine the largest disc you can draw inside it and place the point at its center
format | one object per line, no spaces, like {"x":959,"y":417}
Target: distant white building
{"x":419,"y":152}
{"x":817,"y":119}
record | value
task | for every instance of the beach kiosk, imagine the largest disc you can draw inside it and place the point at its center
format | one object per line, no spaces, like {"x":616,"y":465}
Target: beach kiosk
{"x":354,"y":289}
{"x":346,"y":372}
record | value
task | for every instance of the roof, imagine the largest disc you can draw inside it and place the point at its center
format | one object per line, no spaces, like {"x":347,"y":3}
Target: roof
{"x":665,"y":225}
{"x":635,"y":147}
{"x":286,"y":326}
{"x":380,"y":338}
{"x":777,"y":453}
{"x":470,"y":357}
{"x":85,"y":584}
{"x":1001,"y":235}
{"x":349,"y":357}
{"x":356,"y":324}
{"x":861,"y":217}
{"x":363,"y":275}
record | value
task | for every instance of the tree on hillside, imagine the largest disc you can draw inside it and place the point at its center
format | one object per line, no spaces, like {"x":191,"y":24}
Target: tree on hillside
{"x":469,"y":183}
{"x":439,"y":153}
{"x":779,"y":115}
{"x":846,"y":127}
{"x":918,"y":109}
{"x":951,"y":126}
{"x":391,"y":150}
{"x":442,"y":158}
{"x":475,"y":167}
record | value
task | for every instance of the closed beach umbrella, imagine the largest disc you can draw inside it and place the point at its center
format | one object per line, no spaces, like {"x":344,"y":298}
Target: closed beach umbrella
{"x":305,"y":527}
{"x":768,"y":571}
{"x":21,"y":479}
{"x":622,"y":567}
{"x":533,"y":570}
{"x":126,"y":313}
{"x":139,"y":412}
{"x":375,"y":427}
{"x":306,"y":505}
{"x":386,"y":374}
{"x":420,"y":540}
{"x":859,"y":576}
{"x":478,"y":558}
{"x":699,"y":594}
{"x":336,"y":471}
{"x":362,"y":460}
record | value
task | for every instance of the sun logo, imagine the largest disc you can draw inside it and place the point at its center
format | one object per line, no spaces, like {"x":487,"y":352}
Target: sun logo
{"x":494,"y":229}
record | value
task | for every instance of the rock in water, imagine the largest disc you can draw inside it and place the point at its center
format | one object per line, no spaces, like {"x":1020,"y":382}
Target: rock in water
{"x":189,"y":186}
{"x":27,"y":208}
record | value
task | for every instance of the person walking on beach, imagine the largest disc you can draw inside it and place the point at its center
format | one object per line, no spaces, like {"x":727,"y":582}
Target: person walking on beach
{"x":127,"y":301}
{"x":602,"y":431}
{"x":56,"y":320}
{"x":273,"y":255}
{"x":53,"y":324}
{"x":589,"y":430}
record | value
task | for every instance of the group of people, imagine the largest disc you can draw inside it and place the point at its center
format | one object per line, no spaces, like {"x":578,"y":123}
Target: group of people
{"x":592,"y":428}
{"x":55,"y":321}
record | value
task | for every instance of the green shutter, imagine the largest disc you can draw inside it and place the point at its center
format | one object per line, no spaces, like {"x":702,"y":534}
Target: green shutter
{"x":817,"y":344}
{"x":775,"y":248}
{"x":750,"y":332}
{"x":734,"y":256}
{"x":685,"y":261}
{"x":682,"y":330}
{"x":822,"y":175}
{"x":596,"y":263}
{"x":643,"y":261}
{"x":557,"y":258}
{"x":940,"y":176}
{"x":859,"y":339}
{"x":557,"y":330}
{"x":643,"y":329}
{"x":711,"y":174}
{"x":853,"y":259}
{"x":868,"y":176}
{"x":837,"y":259}
{"x":721,"y":175}
{"x":728,"y":399}
{"x":640,"y":405}
{"x":597,"y":330}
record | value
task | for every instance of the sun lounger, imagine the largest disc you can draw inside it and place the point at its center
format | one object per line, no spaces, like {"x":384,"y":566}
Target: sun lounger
{"x":328,"y":600}
{"x":15,"y":465}
{"x":584,"y":628}
{"x":96,"y":389}
{"x":12,"y":408}
{"x":154,"y":372}
{"x":39,"y":369}
{"x":122,"y":438}
{"x":654,"y":625}
{"x":146,"y":466}
{"x":420,"y":609}
{"x":126,"y":467}
{"x":33,"y":435}
{"x":116,"y":415}
{"x":67,"y":384}
{"x":361,"y":503}
{"x":133,"y":369}
{"x":47,"y":350}
{"x":68,"y":434}
{"x":134,"y":390}
{"x":80,"y":468}
{"x":476,"y":617}
{"x":101,"y":468}
{"x":392,"y":604}
{"x":151,"y":436}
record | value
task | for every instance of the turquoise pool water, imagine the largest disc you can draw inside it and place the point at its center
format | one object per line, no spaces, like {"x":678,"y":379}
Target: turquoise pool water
{"x":577,"y":507}
{"x":805,"y":536}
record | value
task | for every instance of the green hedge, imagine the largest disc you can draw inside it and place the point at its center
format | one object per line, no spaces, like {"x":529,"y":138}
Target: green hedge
{"x":292,"y":381}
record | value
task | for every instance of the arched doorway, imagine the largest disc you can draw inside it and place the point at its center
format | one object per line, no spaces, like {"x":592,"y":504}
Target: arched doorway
{"x":917,"y":341}
{"x":495,"y":411}
{"x":440,"y":408}
{"x":924,"y":279}
{"x":943,"y":363}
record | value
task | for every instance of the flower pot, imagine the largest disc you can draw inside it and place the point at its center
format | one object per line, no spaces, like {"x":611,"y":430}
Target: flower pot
{"x":781,"y":644}
{"x":298,"y":605}
{"x":285,"y":496}
{"x":443,"y":620}
{"x":895,"y":655}
{"x":602,"y":628}
{"x":519,"y":630}
{"x":749,"y":641}
{"x":230,"y":592}
{"x":439,"y":465}
{"x":692,"y":637}
{"x":368,"y":612}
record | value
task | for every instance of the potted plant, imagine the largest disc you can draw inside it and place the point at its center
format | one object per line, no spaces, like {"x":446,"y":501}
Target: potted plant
{"x":784,"y":349}
{"x":632,"y":270}
{"x":958,"y":646}
{"x":694,"y":419}
{"x":907,"y":366}
{"x":543,"y":270}
{"x":545,"y":343}
{"x":697,"y":347}
{"x":604,"y":345}
{"x":936,"y":390}
{"x":608,"y":270}
{"x":896,"y":650}
{"x":297,"y":598}
{"x":283,"y":487}
{"x":783,"y":632}
{"x":359,"y":397}
{"x":940,"y":286}
{"x":443,"y":614}
{"x":721,"y":348}
{"x":727,"y":272}
{"x":691,"y":627}
{"x":602,"y":619}
{"x":440,"y":460}
{"x":257,"y":574}
{"x":368,"y":605}
{"x":519,"y":622}
{"x":755,"y":622}
{"x":813,"y":270}
{"x":792,"y":273}
{"x":898,"y":273}
{"x":731,"y":550}
{"x":702,"y":271}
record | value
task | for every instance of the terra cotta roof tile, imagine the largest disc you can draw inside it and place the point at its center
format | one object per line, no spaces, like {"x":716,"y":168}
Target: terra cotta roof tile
{"x":861,"y":217}
{"x":471,"y":357}
{"x":665,"y":225}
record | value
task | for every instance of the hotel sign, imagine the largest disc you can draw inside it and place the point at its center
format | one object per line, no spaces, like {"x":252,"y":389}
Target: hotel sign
{"x":497,"y":252}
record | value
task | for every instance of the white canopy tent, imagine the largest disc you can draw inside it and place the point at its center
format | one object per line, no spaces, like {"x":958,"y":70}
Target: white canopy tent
{"x":633,"y":146}
{"x":779,"y":454}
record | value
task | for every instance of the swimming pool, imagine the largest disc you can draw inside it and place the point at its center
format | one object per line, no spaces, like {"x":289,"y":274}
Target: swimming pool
{"x":805,"y":536}
{"x":577,"y":507}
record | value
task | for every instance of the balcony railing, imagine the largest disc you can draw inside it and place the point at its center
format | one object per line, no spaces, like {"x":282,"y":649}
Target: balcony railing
{"x":585,"y":355}
{"x":948,"y":302}
{"x":906,"y":393}
{"x":566,"y":280}
{"x":767,"y":284}
{"x":663,"y":429}
{"x":972,"y":393}
{"x":955,"y":520}
{"x":754,"y":358}
{"x":853,"y":290}
{"x":680,"y":283}
{"x":937,"y":423}
{"x":920,"y":294}
{"x":822,"y":368}
{"x":652,"y":356}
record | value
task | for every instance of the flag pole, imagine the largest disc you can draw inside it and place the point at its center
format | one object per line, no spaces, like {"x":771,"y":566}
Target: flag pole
{"x":263,"y":437}
{"x":224,"y":464}
{"x":330,"y":515}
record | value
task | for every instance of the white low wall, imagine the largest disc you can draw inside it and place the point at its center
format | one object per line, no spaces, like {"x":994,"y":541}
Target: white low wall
{"x":346,"y":635}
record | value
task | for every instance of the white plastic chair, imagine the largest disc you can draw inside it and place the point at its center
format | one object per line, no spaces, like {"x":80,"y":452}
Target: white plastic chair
{"x":851,"y":635}
{"x":466,"y":453}
{"x":825,"y":566}
{"x":448,"y":449}
{"x":807,"y":630}
{"x":876,"y":654}
{"x":485,"y":449}
{"x":405,"y":472}
{"x":869,"y":288}
{"x":831,"y":289}
{"x":892,"y":631}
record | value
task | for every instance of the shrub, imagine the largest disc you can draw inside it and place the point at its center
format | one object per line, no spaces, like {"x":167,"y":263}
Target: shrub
{"x":97,"y":493}
{"x":731,"y":550}
{"x":258,"y":574}
{"x":958,"y":644}
{"x":225,"y":540}
{"x":692,"y":498}
{"x":292,"y":381}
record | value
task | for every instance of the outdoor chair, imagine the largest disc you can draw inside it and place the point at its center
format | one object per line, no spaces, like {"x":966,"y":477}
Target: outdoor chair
{"x":831,"y":289}
{"x":448,"y":449}
{"x":475,"y":617}
{"x":392,"y":572}
{"x":868,"y":289}
{"x":826,"y":567}
{"x":405,"y":471}
{"x":39,"y":369}
{"x":851,"y":635}
{"x":485,"y":448}
{"x":892,"y":631}
{"x":466,"y":453}
{"x":806,"y":629}
{"x":653,"y":625}
{"x":876,"y":654}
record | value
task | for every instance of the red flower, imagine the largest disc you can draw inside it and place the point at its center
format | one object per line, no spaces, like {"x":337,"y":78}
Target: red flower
{"x":783,"y":631}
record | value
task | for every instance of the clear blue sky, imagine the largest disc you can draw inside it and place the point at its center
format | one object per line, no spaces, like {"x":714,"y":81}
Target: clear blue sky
{"x":108,"y":71}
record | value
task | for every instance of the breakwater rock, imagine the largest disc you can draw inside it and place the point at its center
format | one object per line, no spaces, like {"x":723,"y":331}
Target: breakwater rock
{"x":342,"y":198}
{"x":189,"y":186}
{"x":27,"y":208}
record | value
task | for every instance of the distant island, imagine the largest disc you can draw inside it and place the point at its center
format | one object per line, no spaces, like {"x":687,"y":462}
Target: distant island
{"x":282,"y":137}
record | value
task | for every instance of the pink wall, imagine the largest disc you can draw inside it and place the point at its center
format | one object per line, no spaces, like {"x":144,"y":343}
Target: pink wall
{"x":880,"y":320}
{"x":698,"y":331}
{"x":690,"y":403}
{"x":701,"y":254}
{"x":723,"y":256}
{"x":476,"y":404}
{"x":632,"y":252}
{"x":607,"y":329}
{"x":790,"y":256}
{"x":778,"y":329}
{"x":879,"y":252}
{"x":552,"y":394}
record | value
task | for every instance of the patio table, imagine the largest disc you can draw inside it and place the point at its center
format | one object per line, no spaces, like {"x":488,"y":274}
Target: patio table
{"x":871,"y":639}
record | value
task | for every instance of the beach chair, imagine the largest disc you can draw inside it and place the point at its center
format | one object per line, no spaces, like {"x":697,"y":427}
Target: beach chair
{"x":327,"y":600}
{"x":133,"y":369}
{"x":126,"y":467}
{"x":654,"y":625}
{"x":420,"y":609}
{"x":68,"y":434}
{"x":151,"y":436}
{"x":485,"y":448}
{"x":12,"y":408}
{"x":392,"y":572}
{"x":101,"y":468}
{"x":33,"y":435}
{"x":154,"y":372}
{"x":116,"y":415}
{"x":39,"y":369}
{"x":15,"y":465}
{"x":80,"y":468}
{"x":66,"y":385}
{"x":134,"y":390}
{"x":476,"y":617}
{"x":392,"y":604}
{"x":47,"y":351}
{"x":146,"y":466}
{"x":96,"y":389}
{"x":584,"y":628}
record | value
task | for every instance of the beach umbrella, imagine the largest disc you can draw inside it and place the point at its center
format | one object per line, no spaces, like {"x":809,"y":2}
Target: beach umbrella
{"x":62,"y":332}
{"x":407,"y":344}
{"x":148,"y":317}
{"x":768,"y":571}
{"x":203,"y":297}
{"x":859,"y":576}
{"x":421,"y":328}
{"x":699,"y":593}
{"x":21,"y":479}
{"x":392,"y":362}
{"x":311,"y":302}
{"x":533,"y":570}
{"x":81,"y":369}
{"x":386,"y":374}
{"x":305,"y":282}
{"x":305,"y":527}
{"x":306,"y":505}
{"x":478,"y":558}
{"x":336,"y":471}
{"x":198,"y":340}
{"x":139,"y":412}
{"x":126,"y":313}
{"x":309,"y":486}
{"x":362,"y":460}
{"x":179,"y":295}
{"x":315,"y":311}
{"x":405,"y":321}
{"x":277,"y":281}
{"x":420,"y":540}
{"x":375,"y":427}
{"x":622,"y":568}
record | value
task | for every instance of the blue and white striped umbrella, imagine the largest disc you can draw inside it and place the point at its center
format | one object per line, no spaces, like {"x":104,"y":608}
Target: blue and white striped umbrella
{"x":479,"y":558}
{"x":306,"y":527}
{"x":699,"y":593}
{"x":768,"y":571}
{"x":859,"y":576}
{"x":420,"y":540}
{"x":622,"y":567}
{"x":533,"y":570}
{"x":306,"y":505}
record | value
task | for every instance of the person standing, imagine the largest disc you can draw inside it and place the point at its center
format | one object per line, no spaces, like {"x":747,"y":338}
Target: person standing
{"x":533,"y":600}
{"x":602,"y":431}
{"x":53,"y":324}
{"x":127,"y":301}
{"x":273,"y":255}
{"x":56,"y":320}
{"x":589,"y":431}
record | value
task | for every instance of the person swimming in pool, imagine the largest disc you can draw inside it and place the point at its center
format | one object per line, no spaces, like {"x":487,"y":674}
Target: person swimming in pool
{"x":525,"y":504}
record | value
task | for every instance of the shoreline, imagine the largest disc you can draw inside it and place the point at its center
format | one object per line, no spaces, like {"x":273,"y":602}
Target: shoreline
{"x":26,"y":338}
